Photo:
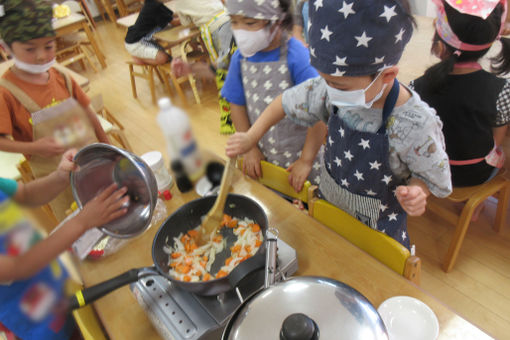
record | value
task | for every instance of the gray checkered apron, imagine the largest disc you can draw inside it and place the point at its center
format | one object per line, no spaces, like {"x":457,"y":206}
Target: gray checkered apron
{"x":263,"y":82}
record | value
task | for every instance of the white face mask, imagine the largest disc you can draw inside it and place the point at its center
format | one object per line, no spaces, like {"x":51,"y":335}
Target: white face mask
{"x":341,"y":98}
{"x":251,"y":42}
{"x":33,"y":68}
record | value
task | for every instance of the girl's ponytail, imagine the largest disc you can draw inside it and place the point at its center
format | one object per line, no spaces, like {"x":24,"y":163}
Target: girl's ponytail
{"x":436,"y":75}
{"x":501,"y":63}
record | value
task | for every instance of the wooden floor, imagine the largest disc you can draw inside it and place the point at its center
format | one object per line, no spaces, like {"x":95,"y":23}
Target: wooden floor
{"x":478,"y":288}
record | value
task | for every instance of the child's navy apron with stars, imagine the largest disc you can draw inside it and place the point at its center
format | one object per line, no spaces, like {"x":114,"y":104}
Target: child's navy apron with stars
{"x":356,"y":175}
{"x":263,"y":82}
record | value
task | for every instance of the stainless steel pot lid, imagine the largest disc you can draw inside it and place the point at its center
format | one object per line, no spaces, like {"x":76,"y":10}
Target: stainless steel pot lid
{"x":101,"y":165}
{"x":336,"y":310}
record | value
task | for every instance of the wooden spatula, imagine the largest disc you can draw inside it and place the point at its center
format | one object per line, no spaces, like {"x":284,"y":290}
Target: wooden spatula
{"x":212,"y":220}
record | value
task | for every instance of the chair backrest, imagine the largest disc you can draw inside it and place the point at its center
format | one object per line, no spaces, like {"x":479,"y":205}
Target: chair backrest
{"x":379,"y":245}
{"x":277,"y":178}
{"x":74,"y":6}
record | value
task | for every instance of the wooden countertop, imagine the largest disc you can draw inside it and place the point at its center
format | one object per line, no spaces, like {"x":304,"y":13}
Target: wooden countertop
{"x":320,"y":252}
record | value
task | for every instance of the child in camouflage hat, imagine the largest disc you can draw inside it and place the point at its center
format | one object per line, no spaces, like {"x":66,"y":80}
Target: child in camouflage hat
{"x":31,"y":85}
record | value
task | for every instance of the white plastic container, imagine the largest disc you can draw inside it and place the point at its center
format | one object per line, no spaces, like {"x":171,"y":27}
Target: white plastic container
{"x":181,"y":144}
{"x":154,"y":160}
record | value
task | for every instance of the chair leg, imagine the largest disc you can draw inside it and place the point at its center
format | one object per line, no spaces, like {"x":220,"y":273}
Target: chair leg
{"x":193,"y":84}
{"x":166,"y":83}
{"x":501,"y":212}
{"x":82,"y":49}
{"x":460,"y":233}
{"x":150,"y":73}
{"x":177,"y":87}
{"x":119,"y":136}
{"x":158,"y":73}
{"x":133,"y":84}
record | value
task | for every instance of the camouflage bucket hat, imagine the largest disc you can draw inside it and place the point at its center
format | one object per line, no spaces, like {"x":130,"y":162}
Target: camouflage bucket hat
{"x":23,"y":20}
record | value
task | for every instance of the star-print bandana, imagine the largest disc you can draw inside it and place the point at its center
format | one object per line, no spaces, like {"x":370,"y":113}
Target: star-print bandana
{"x":479,"y":8}
{"x":258,"y":9}
{"x":357,"y":37}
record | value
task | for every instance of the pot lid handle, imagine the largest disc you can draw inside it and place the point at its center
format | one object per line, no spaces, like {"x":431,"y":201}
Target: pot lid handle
{"x":299,"y":326}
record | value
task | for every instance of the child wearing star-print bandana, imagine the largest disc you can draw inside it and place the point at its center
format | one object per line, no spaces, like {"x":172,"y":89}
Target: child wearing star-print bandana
{"x":265,"y":64}
{"x":385,"y":151}
{"x":473,"y":104}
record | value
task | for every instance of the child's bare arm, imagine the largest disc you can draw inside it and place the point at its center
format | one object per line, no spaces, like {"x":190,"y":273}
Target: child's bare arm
{"x":241,"y":141}
{"x":104,"y":208}
{"x":98,"y":129}
{"x":300,"y":169}
{"x":45,"y":147}
{"x":499,"y":134}
{"x":43,"y":190}
{"x":252,"y":156}
{"x":239,"y":117}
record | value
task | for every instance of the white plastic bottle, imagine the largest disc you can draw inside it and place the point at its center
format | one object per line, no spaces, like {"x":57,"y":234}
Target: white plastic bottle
{"x":181,"y":144}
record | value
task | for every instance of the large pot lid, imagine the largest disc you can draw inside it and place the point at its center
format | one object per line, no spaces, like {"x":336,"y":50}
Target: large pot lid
{"x":337,"y":310}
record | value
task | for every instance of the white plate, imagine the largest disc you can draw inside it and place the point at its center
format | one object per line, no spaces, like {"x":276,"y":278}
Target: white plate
{"x":203,"y":186}
{"x":408,"y":318}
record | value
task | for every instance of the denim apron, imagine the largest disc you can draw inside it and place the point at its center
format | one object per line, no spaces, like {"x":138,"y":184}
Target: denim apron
{"x":28,"y":307}
{"x":357,"y":178}
{"x":263,"y":82}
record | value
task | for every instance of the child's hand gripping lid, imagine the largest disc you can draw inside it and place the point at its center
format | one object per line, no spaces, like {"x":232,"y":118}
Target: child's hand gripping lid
{"x":24,"y":20}
{"x":357,"y":37}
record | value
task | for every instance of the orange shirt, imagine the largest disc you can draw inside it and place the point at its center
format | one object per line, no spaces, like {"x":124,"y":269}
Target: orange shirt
{"x":15,"y":120}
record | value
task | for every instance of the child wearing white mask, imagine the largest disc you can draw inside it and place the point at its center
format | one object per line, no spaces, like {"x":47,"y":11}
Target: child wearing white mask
{"x":385,"y":150}
{"x":31,"y":85}
{"x":266,"y":63}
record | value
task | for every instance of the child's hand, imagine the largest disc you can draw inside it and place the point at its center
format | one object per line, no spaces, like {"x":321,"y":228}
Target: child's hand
{"x":251,"y":163}
{"x":412,"y":198}
{"x":103,"y":208}
{"x":299,"y":171}
{"x":180,"y":68}
{"x":66,"y":164}
{"x":239,"y":143}
{"x":47,"y":147}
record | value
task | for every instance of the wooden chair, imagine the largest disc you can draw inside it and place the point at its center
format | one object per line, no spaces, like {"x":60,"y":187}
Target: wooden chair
{"x":75,"y":46}
{"x":111,"y":126}
{"x":379,"y":245}
{"x":74,"y":53}
{"x":146,"y":72}
{"x":78,"y":7}
{"x":473,"y":197}
{"x":189,"y":55}
{"x":277,"y":178}
{"x":85,"y":317}
{"x":128,"y":7}
{"x":106,"y":6}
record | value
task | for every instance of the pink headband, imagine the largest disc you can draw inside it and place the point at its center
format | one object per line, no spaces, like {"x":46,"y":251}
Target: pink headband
{"x":479,"y":8}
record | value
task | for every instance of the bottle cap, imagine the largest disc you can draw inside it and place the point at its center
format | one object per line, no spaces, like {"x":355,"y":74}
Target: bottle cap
{"x":164,"y":103}
{"x":177,"y":165}
{"x":167,"y":195}
{"x":154,"y":159}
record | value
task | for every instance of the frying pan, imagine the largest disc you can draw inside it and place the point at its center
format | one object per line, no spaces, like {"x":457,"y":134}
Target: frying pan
{"x":188,"y":217}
